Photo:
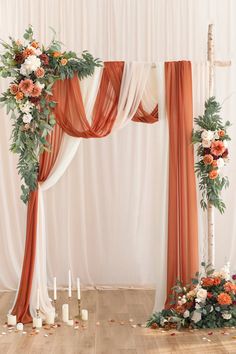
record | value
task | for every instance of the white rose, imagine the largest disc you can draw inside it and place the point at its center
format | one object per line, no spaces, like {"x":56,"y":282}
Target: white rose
{"x":206,"y":143}
{"x":26,"y":107}
{"x":31,"y":63}
{"x":27,"y":118}
{"x":226,"y":315}
{"x":186,"y":314}
{"x":202,"y":295}
{"x":220,"y":163}
{"x":207,"y":135}
{"x":197,"y":316}
{"x":197,"y":306}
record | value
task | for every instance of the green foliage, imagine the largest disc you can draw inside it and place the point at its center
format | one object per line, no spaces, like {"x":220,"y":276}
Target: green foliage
{"x":30,"y":137}
{"x":211,"y":187}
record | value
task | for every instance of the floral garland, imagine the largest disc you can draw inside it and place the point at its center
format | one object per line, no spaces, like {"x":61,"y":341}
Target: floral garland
{"x":209,"y":302}
{"x":213,"y":152}
{"x":34,"y":70}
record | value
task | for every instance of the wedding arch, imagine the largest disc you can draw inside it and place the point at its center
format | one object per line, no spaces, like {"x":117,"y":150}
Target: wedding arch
{"x":116,"y":94}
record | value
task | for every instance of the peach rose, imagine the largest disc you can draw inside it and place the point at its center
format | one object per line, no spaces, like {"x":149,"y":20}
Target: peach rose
{"x":19,"y":96}
{"x":56,"y":54}
{"x":64,"y":61}
{"x":36,"y":92}
{"x":217,"y":148}
{"x":208,"y":159}
{"x":213,"y":174}
{"x":224,"y":299}
{"x":214,"y":163}
{"x":221,"y":133}
{"x":34,"y":44}
{"x":26,"y":86}
{"x":230,"y":287}
{"x":207,"y":281}
{"x":40,"y":72}
{"x":27,"y":52}
{"x":14,"y":89}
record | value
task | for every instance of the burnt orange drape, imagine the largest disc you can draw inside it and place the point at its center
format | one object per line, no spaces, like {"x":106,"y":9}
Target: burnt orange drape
{"x":70,"y":113}
{"x":21,"y":308}
{"x":182,"y":258}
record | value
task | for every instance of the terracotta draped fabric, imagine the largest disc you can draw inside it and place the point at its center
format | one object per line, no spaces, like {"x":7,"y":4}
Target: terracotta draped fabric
{"x":47,"y":160}
{"x":70,"y":113}
{"x":182,"y":258}
{"x":142,"y":117}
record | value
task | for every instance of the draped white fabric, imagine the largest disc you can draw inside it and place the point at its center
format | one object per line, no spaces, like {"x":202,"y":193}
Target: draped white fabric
{"x":103,"y":215}
{"x":134,"y":80}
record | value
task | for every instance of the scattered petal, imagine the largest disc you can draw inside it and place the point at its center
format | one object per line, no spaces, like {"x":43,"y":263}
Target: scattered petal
{"x":3,"y":333}
{"x":45,"y":335}
{"x":210,"y":333}
{"x":134,"y":326}
{"x":76,"y":327}
{"x":24,"y":332}
{"x":98,"y":323}
{"x":122,"y":323}
{"x":131,"y":320}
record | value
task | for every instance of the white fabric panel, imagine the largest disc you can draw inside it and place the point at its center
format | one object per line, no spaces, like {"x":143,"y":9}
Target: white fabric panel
{"x":107,"y":202}
{"x":133,"y":85}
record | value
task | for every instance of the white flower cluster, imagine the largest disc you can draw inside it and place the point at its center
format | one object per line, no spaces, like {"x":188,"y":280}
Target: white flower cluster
{"x":224,"y":273}
{"x":26,"y":109}
{"x":30,"y":64}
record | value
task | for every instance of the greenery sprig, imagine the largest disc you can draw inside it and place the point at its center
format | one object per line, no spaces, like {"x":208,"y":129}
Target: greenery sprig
{"x":34,"y":70}
{"x":211,"y":137}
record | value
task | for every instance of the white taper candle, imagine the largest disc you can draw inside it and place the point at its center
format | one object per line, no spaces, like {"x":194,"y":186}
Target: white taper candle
{"x":54,"y":288}
{"x":78,"y":289}
{"x":69,"y":288}
{"x":37,"y":303}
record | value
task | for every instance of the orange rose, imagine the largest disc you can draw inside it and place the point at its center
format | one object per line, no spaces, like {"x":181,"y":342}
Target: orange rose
{"x":217,"y":281}
{"x":34,"y":44}
{"x":213,"y":174}
{"x":14,"y":89}
{"x":214,"y":163}
{"x":27,"y":52}
{"x":217,"y":148}
{"x":230,"y":287}
{"x":208,"y":159}
{"x":224,"y":299}
{"x":221,"y":133}
{"x":64,"y":61}
{"x":56,"y":54}
{"x":19,"y":96}
{"x":207,"y":281}
{"x":40,"y":72}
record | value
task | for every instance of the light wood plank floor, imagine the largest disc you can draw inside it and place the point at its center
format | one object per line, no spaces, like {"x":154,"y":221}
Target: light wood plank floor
{"x":115,"y":333}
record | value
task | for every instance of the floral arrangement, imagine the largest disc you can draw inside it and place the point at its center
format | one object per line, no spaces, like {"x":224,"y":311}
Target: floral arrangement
{"x":208,"y":302}
{"x":212,"y":138}
{"x":34,"y":70}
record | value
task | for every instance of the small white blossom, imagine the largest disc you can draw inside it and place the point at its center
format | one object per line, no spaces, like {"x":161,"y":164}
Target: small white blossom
{"x":26,"y":107}
{"x":220,"y":163}
{"x":186,"y":314}
{"x":226,"y":315}
{"x":40,"y":85}
{"x":27,"y":118}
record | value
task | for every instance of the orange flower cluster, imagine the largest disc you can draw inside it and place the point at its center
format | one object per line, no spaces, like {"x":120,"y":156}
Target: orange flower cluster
{"x":230,"y":287}
{"x":224,"y":299}
{"x":27,"y":52}
{"x":211,"y":281}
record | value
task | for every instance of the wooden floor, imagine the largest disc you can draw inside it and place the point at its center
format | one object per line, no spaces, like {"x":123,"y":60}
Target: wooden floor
{"x":114,"y":327}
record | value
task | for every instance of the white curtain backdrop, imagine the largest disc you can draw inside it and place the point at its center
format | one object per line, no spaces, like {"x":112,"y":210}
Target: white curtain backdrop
{"x":103,"y":217}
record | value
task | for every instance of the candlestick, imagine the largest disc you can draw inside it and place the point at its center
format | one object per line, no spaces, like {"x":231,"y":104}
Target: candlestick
{"x":50,"y":318}
{"x":78,"y":289}
{"x":65,"y":312}
{"x":37,"y":302}
{"x":11,"y":320}
{"x":69,"y":288}
{"x":79,"y":310}
{"x":54,"y":288}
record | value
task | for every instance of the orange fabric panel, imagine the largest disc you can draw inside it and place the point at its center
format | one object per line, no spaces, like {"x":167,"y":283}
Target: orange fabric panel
{"x":182,"y":257}
{"x":47,"y":160}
